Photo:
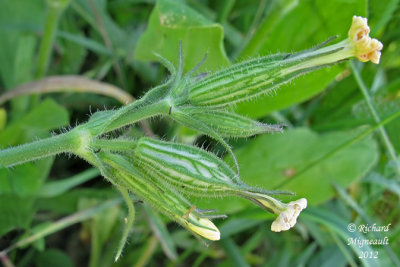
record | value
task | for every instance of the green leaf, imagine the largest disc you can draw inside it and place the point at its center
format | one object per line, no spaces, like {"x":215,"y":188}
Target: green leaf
{"x":293,"y":158}
{"x":310,"y":23}
{"x":172,"y":21}
{"x":99,"y":227}
{"x":16,"y":212}
{"x":20,"y":185}
{"x":53,"y":257}
{"x":237,"y":225}
{"x":381,"y":13}
{"x":160,"y":230}
{"x":23,"y":65}
{"x":72,"y":52}
{"x":93,"y":12}
{"x":56,"y":188}
{"x":233,"y":252}
{"x":48,"y":115}
{"x":338,"y":225}
{"x":16,"y":19}
{"x":24,"y":180}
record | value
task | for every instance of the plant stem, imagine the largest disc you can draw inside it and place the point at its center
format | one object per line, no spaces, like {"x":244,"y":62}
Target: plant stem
{"x":67,"y":83}
{"x":52,"y":17}
{"x":76,"y":140}
{"x":5,"y":260}
{"x":54,"y":10}
{"x":148,"y":252}
{"x":42,"y":148}
{"x":140,"y":113}
{"x":385,"y":138}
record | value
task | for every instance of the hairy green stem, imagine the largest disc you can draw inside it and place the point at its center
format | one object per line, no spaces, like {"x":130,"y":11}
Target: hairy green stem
{"x":78,"y":140}
{"x":140,"y":113}
{"x":62,"y":143}
{"x":384,"y":136}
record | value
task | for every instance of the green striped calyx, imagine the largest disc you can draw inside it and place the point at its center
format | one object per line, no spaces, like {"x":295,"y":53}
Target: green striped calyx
{"x":194,"y":171}
{"x":165,"y":200}
{"x":187,"y":168}
{"x":190,"y":170}
{"x":254,"y":77}
{"x":222,"y":122}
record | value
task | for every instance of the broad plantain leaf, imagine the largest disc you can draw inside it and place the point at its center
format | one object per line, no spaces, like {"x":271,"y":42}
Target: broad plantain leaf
{"x":271,"y":160}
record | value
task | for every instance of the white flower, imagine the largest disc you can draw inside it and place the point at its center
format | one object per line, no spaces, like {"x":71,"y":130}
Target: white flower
{"x":288,"y":217}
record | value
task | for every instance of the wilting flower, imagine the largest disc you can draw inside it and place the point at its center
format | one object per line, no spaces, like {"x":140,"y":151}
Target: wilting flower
{"x":365,"y":48}
{"x":288,"y":217}
{"x":287,"y":213}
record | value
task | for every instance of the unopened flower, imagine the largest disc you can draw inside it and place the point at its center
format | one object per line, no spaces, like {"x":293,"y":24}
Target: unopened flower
{"x":189,"y":169}
{"x":203,"y":227}
{"x":193,"y":171}
{"x":166,"y":200}
{"x":224,"y":123}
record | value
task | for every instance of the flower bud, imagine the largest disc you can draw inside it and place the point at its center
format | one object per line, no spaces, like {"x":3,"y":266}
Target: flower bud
{"x":159,"y":168}
{"x":203,"y":227}
{"x":188,"y":168}
{"x":165,"y":200}
{"x":226,"y":124}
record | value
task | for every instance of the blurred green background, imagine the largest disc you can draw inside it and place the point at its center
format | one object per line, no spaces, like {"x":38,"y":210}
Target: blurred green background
{"x":60,"y":212}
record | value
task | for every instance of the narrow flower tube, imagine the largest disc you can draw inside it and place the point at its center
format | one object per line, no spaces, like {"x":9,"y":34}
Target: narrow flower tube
{"x":258,"y":76}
